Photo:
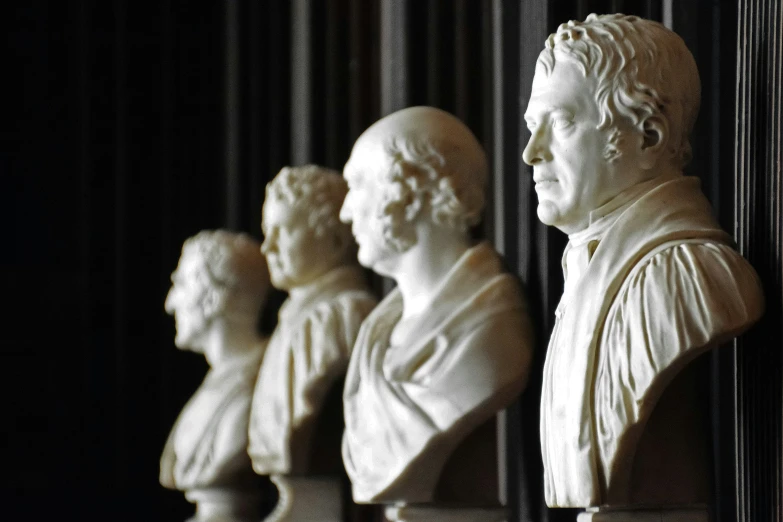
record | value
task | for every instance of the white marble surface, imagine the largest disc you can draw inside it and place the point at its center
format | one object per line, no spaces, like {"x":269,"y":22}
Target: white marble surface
{"x":312,"y":256}
{"x":222,"y":504}
{"x":451,"y":345}
{"x":217,"y":293}
{"x":651,"y":281}
{"x":307,"y":499}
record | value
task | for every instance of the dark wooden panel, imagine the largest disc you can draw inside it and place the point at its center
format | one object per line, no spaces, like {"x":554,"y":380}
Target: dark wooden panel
{"x":302,"y":79}
{"x":394,"y":62}
{"x":178,"y":115}
{"x":758,"y":217}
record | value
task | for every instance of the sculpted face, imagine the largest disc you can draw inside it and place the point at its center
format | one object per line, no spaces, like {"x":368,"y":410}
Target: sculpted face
{"x":574,"y":168}
{"x":295,"y":255}
{"x":363,"y":207}
{"x":184,"y":303}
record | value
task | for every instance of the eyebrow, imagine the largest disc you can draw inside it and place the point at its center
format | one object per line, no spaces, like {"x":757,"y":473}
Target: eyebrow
{"x":550,"y":111}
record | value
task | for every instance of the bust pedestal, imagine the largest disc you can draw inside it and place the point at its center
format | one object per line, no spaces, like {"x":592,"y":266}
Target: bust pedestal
{"x":436,"y":513}
{"x":306,"y":499}
{"x":223,"y":505}
{"x":692,"y":513}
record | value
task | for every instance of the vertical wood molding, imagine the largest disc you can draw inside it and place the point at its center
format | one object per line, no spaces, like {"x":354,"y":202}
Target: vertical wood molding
{"x":278,"y":74}
{"x":759,"y":220}
{"x":301,"y":81}
{"x":364,"y":67}
{"x":464,"y":67}
{"x":505,"y":52}
{"x":232,"y":107}
{"x":668,"y":13}
{"x":120,"y":239}
{"x":395,"y":92}
{"x":395,"y":68}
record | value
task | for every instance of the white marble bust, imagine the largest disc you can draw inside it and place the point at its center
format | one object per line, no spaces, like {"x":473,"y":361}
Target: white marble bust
{"x":216,"y":296}
{"x":651,"y":281}
{"x":312,"y":256}
{"x":451,"y":345}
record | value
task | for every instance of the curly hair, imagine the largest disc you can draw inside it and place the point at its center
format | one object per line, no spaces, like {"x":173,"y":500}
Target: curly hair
{"x":434,"y":165}
{"x":641,"y":68}
{"x":233,"y":275}
{"x":317,"y":191}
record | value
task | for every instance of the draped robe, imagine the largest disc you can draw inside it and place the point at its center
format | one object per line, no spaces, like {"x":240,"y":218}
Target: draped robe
{"x":407,"y":406}
{"x":663,"y":285}
{"x":207,"y":446}
{"x":308,"y":352}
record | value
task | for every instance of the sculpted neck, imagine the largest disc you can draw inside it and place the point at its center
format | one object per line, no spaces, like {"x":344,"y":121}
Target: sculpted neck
{"x":623,"y":196}
{"x":425,"y":265}
{"x":230,"y":342}
{"x":298,"y":293}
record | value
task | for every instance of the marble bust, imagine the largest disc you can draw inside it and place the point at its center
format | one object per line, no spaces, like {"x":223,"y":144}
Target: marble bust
{"x":651,"y":281}
{"x":312,"y":256}
{"x":451,"y":345}
{"x":216,"y":296}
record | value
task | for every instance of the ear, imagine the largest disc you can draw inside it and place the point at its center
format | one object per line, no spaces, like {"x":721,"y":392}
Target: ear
{"x":655,"y":137}
{"x":410,"y":176}
{"x":212,"y":303}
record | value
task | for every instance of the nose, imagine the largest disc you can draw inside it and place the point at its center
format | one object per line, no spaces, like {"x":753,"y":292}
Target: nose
{"x":537,"y":149}
{"x":270,"y":242}
{"x":346,"y":214}
{"x":169,"y":305}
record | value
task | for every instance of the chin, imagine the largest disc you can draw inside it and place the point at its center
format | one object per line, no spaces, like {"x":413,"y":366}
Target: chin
{"x":182,"y":342}
{"x":365,"y":259}
{"x":279,"y":281}
{"x":281,"y":284}
{"x":546,"y":214}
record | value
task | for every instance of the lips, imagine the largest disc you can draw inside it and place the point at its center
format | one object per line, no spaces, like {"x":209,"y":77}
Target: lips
{"x":545,"y":183}
{"x":356,"y":234}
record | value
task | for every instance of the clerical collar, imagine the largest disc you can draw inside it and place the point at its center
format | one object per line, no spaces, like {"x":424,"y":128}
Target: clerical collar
{"x":342,"y":277}
{"x":602,"y":218}
{"x":583,"y":244}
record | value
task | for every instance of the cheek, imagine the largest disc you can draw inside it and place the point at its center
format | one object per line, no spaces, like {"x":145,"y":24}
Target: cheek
{"x":364,"y":208}
{"x":286,"y":248}
{"x":298,"y":251}
{"x":184,"y":323}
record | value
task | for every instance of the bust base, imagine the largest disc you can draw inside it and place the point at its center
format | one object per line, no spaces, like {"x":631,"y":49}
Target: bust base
{"x":440,"y":513}
{"x":697,"y":513}
{"x":306,"y":499}
{"x":223,"y":505}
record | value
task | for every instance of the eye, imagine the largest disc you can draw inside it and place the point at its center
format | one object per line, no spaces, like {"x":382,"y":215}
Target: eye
{"x":561,"y":123}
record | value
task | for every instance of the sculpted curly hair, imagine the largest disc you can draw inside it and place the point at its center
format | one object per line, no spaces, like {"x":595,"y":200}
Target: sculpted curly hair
{"x":233,"y":276}
{"x":443,"y":174}
{"x":641,"y":69}
{"x":317,"y":191}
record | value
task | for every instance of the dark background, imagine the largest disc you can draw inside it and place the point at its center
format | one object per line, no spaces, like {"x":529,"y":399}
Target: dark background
{"x":129,"y":126}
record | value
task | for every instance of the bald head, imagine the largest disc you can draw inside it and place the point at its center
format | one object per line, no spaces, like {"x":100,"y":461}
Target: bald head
{"x":429,"y":162}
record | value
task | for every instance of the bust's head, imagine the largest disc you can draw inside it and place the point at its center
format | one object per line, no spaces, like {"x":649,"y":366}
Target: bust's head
{"x":303,"y":236}
{"x":417,"y":164}
{"x":220,"y":274}
{"x":613,"y":103}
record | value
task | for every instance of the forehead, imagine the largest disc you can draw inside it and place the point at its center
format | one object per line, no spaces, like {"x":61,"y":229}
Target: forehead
{"x":278,"y":211}
{"x":368,"y":159}
{"x":563,"y":87}
{"x":190,"y":263}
